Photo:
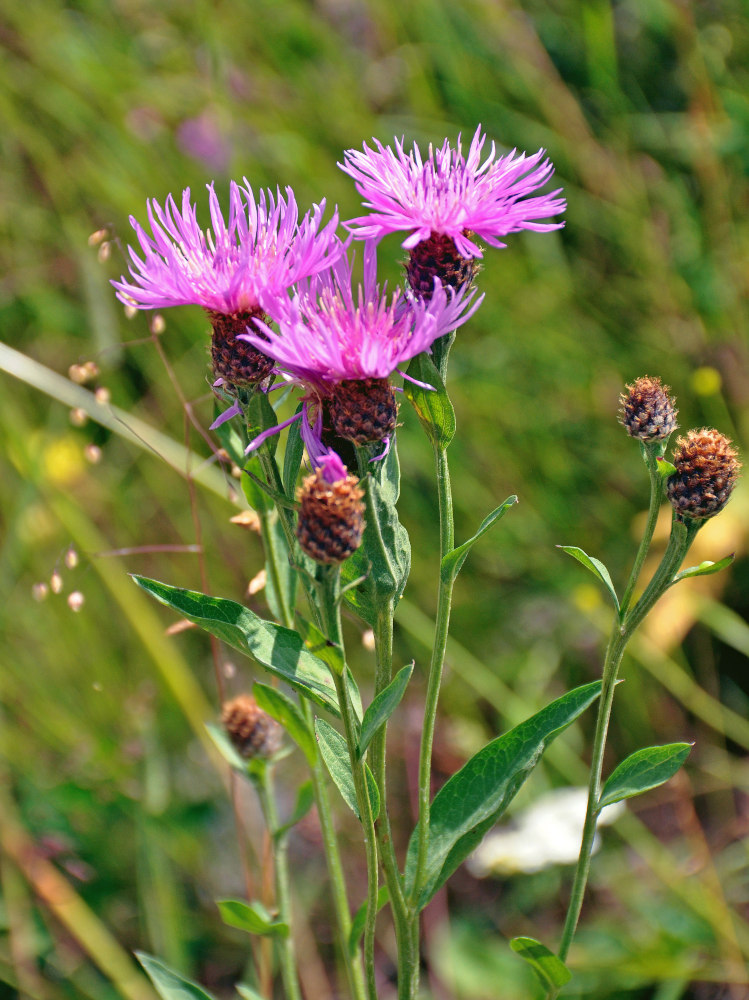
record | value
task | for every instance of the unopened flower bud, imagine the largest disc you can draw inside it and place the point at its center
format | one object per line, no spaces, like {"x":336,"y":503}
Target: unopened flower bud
{"x":363,"y":410}
{"x":647,"y":411}
{"x":252,"y":731}
{"x":76,"y":600}
{"x":157,"y":324}
{"x":438,"y":257}
{"x":55,"y":583}
{"x":707,"y":468}
{"x":236,"y":361}
{"x":71,"y":558}
{"x":331,"y":519}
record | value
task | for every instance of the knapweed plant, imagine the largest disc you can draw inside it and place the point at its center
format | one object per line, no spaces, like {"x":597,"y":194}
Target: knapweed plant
{"x":290,"y":319}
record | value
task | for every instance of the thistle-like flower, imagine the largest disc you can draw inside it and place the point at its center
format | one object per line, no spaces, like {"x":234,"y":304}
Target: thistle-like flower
{"x":331,"y":517}
{"x":343,"y":345}
{"x":647,"y":411}
{"x":264,"y":249}
{"x":444,"y":201}
{"x":707,"y":467}
{"x":252,"y":731}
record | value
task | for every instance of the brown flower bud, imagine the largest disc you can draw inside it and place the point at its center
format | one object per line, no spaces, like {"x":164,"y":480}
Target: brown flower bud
{"x":252,"y":731}
{"x":236,"y":361}
{"x":647,"y":411}
{"x":707,"y":468}
{"x":363,"y":410}
{"x":331,"y":519}
{"x":438,"y":257}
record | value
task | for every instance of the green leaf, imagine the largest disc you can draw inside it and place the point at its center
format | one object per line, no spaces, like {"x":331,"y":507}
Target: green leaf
{"x":382,"y":707}
{"x":705,"y":568}
{"x":550,"y":969}
{"x":276,"y":547}
{"x":360,"y":919}
{"x":665,"y":468}
{"x":384,"y":557}
{"x":279,"y":650}
{"x":305,"y":798}
{"x":292,"y":458}
{"x":170,"y":985}
{"x":453,"y":560}
{"x":474,"y":798}
{"x":247,"y":992}
{"x":261,"y":417}
{"x":335,"y":753}
{"x":254,"y":494}
{"x":289,"y":715}
{"x":643,"y":770}
{"x":227,"y":749}
{"x":320,"y":646}
{"x":595,"y":566}
{"x":433,"y":408}
{"x":251,"y":917}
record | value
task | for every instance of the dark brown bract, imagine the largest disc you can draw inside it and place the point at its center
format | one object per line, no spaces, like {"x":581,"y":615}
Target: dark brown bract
{"x":707,"y":468}
{"x":647,"y":411}
{"x":331,"y":519}
{"x":252,"y":731}
{"x":363,"y":410}
{"x":438,"y":257}
{"x":236,"y":361}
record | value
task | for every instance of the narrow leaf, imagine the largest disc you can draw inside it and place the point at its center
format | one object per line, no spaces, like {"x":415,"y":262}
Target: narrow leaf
{"x":705,"y":568}
{"x":335,"y":753}
{"x":360,"y":919}
{"x":453,"y":561}
{"x":279,"y":650}
{"x":227,"y":749}
{"x":289,"y":715}
{"x":304,"y":799}
{"x":433,"y":406}
{"x":474,"y":798}
{"x":251,"y":917}
{"x":550,"y":969}
{"x":247,"y":992}
{"x":595,"y":566}
{"x":170,"y":985}
{"x":643,"y":770}
{"x":320,"y":646}
{"x":292,"y":458}
{"x":382,"y":707}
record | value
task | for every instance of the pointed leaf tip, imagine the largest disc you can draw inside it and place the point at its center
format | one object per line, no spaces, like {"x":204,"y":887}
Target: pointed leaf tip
{"x":595,"y":566}
{"x":549,"y":968}
{"x":642,"y":771}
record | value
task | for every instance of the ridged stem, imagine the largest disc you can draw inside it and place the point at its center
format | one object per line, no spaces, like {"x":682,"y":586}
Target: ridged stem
{"x":657,"y":489}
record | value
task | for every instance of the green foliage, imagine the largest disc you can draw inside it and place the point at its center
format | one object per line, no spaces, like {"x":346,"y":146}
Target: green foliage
{"x":383,"y":706}
{"x":453,"y":560}
{"x":288,"y":714}
{"x":474,"y":798}
{"x":251,"y":917}
{"x":645,"y":769}
{"x":595,"y":566}
{"x":279,"y":650}
{"x":170,"y":985}
{"x":433,"y":406}
{"x":550,"y":970}
{"x":337,"y":760}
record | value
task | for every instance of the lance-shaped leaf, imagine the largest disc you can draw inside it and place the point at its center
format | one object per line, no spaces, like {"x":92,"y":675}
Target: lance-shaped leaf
{"x":251,"y":917}
{"x":551,"y":970}
{"x":304,"y":800}
{"x":595,"y":566}
{"x":705,"y":568}
{"x":169,"y":984}
{"x":433,"y":406}
{"x":292,"y":458}
{"x":289,"y":715}
{"x":335,"y":753}
{"x":474,"y":798}
{"x":320,"y":646}
{"x":227,"y":749}
{"x":384,"y":557}
{"x":360,"y":919}
{"x":453,"y":560}
{"x":247,"y":992}
{"x":643,"y":770}
{"x":382,"y":707}
{"x":279,"y":650}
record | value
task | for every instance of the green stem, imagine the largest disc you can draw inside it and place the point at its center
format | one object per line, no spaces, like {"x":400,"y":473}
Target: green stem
{"x":282,"y":883}
{"x":319,"y":780}
{"x":657,"y":489}
{"x":331,"y":613}
{"x":681,"y":539}
{"x":442,"y":624}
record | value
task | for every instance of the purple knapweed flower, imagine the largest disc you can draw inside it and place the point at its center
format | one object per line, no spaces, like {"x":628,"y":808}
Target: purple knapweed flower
{"x":263,"y":249}
{"x":450,"y":195}
{"x":343,"y":343}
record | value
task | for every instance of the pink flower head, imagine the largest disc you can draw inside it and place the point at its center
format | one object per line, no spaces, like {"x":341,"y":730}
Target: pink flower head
{"x":449,"y":194}
{"x":329,"y":333}
{"x":263,"y":248}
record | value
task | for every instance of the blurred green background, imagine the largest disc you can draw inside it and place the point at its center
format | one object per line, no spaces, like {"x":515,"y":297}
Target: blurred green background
{"x":117,"y":830}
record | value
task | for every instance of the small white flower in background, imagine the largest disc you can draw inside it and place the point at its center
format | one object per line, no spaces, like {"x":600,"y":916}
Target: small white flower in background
{"x":546,"y":833}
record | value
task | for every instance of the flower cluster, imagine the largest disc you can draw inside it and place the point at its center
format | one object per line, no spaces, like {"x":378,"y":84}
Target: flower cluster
{"x":280,"y":292}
